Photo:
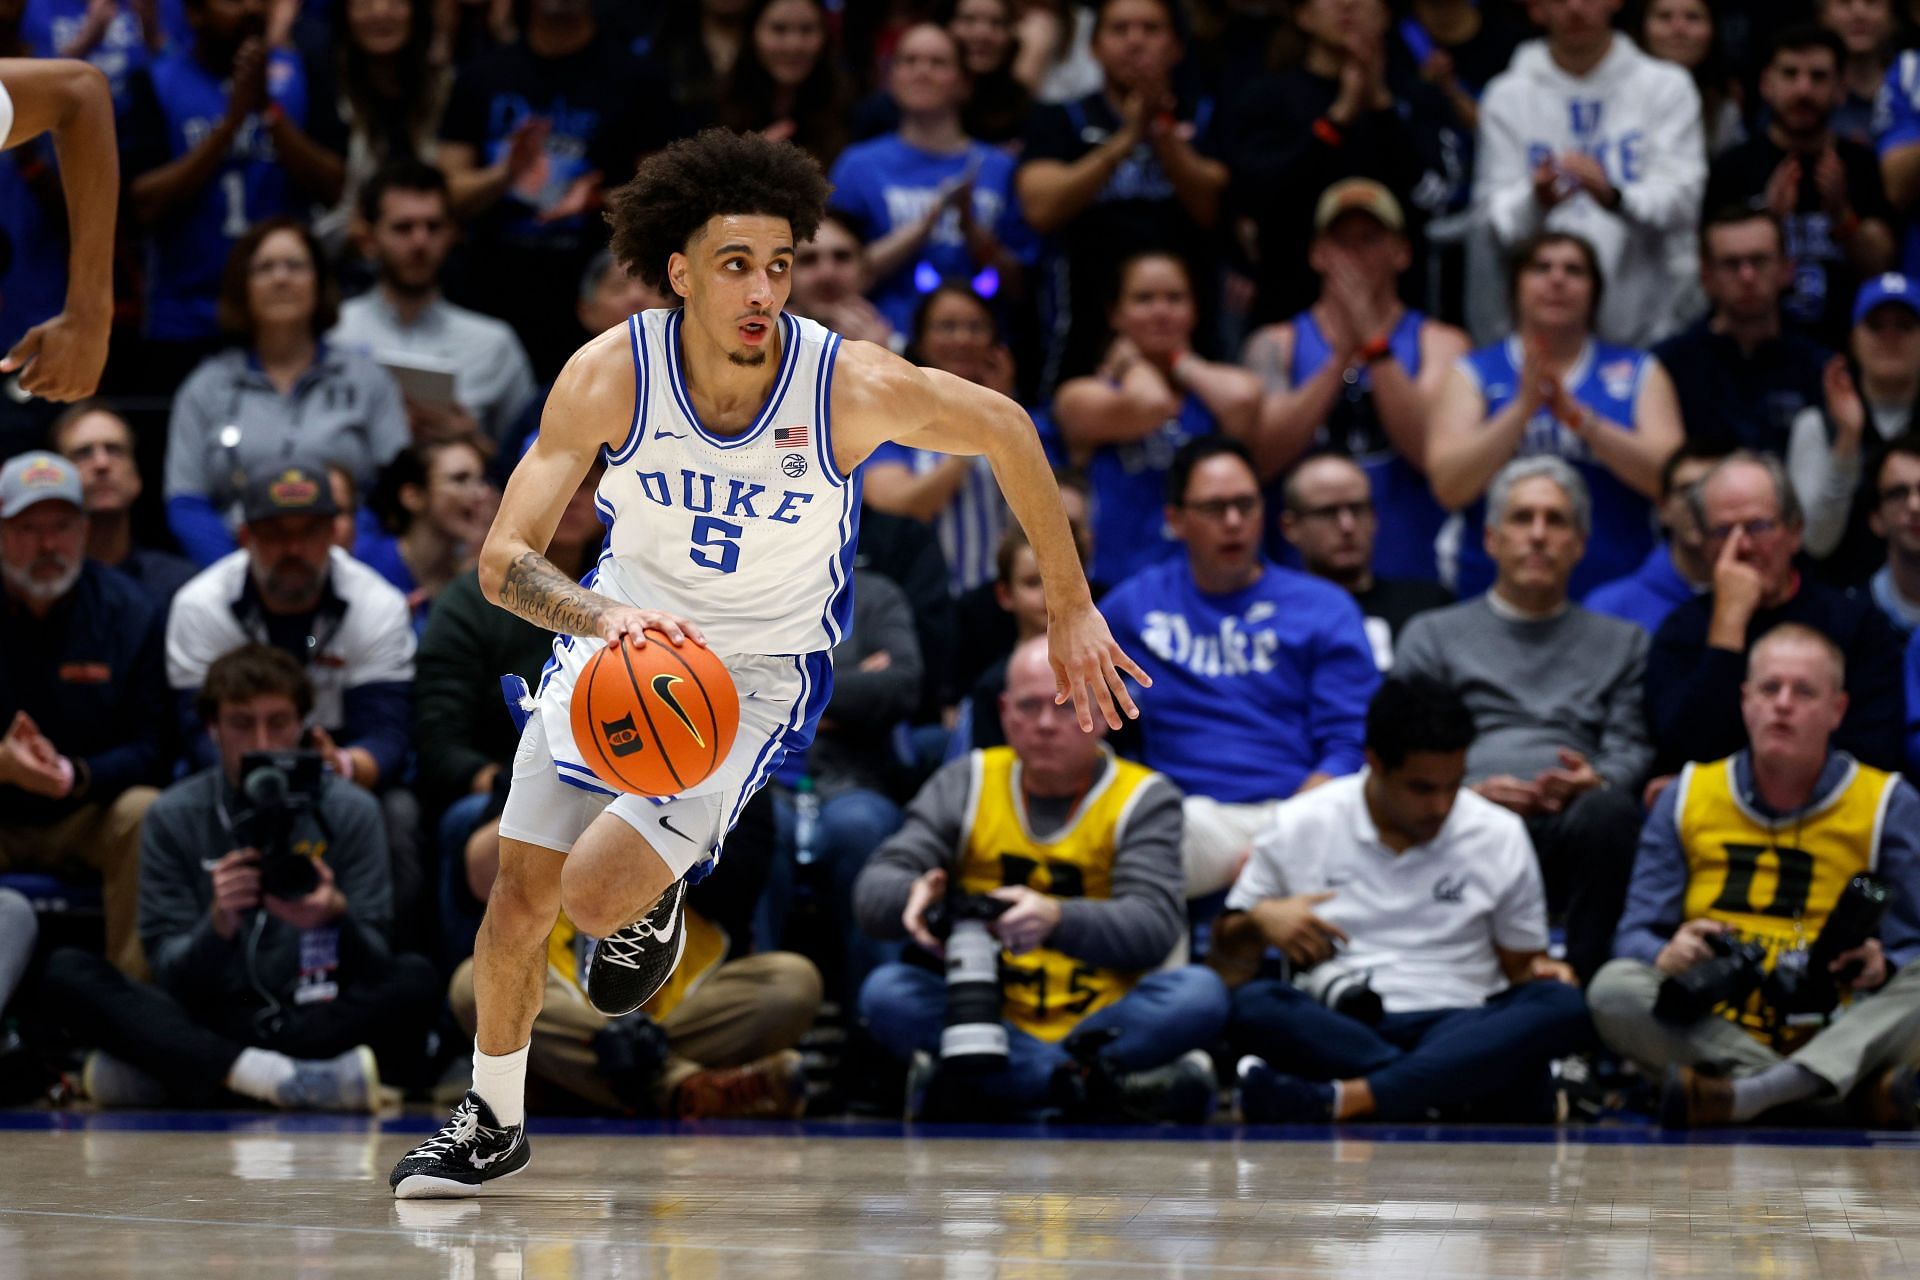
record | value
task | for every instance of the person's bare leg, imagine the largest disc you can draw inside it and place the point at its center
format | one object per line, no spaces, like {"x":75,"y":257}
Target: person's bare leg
{"x":612,"y":878}
{"x":510,"y":953}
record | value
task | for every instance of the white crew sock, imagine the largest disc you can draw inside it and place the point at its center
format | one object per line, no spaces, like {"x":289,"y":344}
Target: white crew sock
{"x":1776,"y":1086}
{"x":259,"y":1073}
{"x":501,"y":1082}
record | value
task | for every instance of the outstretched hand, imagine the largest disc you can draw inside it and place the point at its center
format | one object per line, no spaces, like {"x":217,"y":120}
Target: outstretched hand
{"x":1087,"y":667}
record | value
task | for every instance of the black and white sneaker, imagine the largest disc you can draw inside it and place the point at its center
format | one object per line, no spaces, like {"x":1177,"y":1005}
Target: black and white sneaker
{"x":629,"y":965}
{"x":471,"y":1148}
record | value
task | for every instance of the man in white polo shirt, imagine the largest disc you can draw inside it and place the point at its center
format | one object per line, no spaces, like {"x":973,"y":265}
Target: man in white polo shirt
{"x":1400,"y":878}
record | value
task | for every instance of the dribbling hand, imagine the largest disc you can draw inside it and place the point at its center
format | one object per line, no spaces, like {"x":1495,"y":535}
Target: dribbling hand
{"x":632,"y":625}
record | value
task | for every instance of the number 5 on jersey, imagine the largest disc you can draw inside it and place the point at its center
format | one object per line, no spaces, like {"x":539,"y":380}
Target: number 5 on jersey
{"x":715,"y":544}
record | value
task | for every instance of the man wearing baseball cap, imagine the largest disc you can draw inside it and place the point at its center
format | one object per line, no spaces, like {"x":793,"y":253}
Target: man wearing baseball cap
{"x":83,"y":698}
{"x":1353,"y":373}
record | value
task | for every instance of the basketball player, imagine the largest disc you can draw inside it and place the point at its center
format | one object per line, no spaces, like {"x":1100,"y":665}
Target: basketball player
{"x":733,"y":435}
{"x":61,"y":358}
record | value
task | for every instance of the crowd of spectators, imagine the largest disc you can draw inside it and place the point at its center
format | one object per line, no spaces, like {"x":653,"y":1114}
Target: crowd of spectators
{"x":1490,"y":424}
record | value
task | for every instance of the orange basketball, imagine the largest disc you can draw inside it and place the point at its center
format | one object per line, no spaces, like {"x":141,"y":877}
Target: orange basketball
{"x":654,"y":720}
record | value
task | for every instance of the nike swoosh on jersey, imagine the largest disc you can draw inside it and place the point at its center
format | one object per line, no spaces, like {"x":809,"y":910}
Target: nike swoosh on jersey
{"x":663,"y":690}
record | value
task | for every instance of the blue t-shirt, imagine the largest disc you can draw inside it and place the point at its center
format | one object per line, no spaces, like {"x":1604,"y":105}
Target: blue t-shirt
{"x":1647,"y":595}
{"x":885,"y":184}
{"x":1606,"y":379}
{"x":969,"y":527}
{"x":1253,"y":690}
{"x":48,"y":26}
{"x":1896,"y":123}
{"x":1410,"y":516}
{"x":1129,"y":485}
{"x":178,"y":102}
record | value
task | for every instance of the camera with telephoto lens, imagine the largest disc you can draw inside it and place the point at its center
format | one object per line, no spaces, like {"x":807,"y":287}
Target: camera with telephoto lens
{"x":276,"y":787}
{"x":1344,"y":989}
{"x":1734,"y":973}
{"x":974,"y":1039}
{"x":1802,"y":986}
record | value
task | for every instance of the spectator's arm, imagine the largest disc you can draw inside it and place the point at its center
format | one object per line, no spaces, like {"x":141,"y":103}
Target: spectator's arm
{"x":883,"y":622}
{"x":1626,"y":753}
{"x":475,"y":188}
{"x":918,"y":495}
{"x":162,"y":190}
{"x":1899,"y":866}
{"x":1875,"y":727}
{"x":1673,"y":176}
{"x":195,"y":521}
{"x":319,"y":173}
{"x":1093,"y":411}
{"x":184,"y":951}
{"x":1825,"y":475}
{"x":1520,"y":915}
{"x":1657,"y":894}
{"x":1238,"y":942}
{"x":1055,"y":192}
{"x":1198,"y":181}
{"x":1503,"y":172}
{"x":374,"y":721}
{"x":929,"y":838}
{"x":199,"y":528}
{"x":1343,"y":683}
{"x":1467,"y":448}
{"x":1635,"y":455}
{"x":1871,"y":248}
{"x":1231,"y":394}
{"x":1900,"y":171}
{"x":1141,"y":922}
{"x":1405,"y":403}
{"x":1288,"y":415}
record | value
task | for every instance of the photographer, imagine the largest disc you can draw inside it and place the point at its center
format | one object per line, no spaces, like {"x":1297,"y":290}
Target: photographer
{"x":264,"y":908}
{"x":1079,"y":853}
{"x":1400,"y":880}
{"x":1760,"y":847}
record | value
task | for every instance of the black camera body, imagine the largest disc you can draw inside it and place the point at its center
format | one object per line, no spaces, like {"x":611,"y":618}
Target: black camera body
{"x":1802,"y":986}
{"x":1733,"y":974}
{"x":276,"y":787}
{"x":974,"y":1039}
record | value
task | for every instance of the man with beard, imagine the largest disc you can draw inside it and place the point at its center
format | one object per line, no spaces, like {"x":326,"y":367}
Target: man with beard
{"x":406,"y":227}
{"x":350,"y":631}
{"x":82,"y":697}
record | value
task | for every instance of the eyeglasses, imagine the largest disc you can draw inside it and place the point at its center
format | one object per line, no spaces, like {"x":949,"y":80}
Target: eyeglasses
{"x":1334,"y":510}
{"x":1898,"y":495}
{"x":1217,"y":508}
{"x":1763,"y":527}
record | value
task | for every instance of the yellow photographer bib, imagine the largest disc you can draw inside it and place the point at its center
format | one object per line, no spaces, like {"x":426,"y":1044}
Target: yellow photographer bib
{"x":1775,"y":881}
{"x":1047,"y":993}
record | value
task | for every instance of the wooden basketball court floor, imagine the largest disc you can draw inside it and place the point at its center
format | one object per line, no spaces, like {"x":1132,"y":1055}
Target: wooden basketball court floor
{"x":209,"y":1197}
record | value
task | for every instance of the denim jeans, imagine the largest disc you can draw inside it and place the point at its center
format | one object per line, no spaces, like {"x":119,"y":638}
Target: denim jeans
{"x":1169,"y":1012}
{"x":1494,"y":1056}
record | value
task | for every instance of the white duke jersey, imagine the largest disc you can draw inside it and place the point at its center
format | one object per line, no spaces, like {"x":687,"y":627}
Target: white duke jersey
{"x":751,"y":536}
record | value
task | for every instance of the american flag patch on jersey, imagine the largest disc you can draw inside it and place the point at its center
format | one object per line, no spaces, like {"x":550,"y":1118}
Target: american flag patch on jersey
{"x":790,"y":438}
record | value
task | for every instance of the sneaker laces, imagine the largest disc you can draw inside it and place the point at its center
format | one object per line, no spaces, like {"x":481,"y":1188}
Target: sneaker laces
{"x":625,"y":947}
{"x":460,"y":1131}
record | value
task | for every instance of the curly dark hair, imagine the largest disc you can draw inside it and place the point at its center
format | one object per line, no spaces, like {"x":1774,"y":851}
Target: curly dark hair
{"x":679,"y":188}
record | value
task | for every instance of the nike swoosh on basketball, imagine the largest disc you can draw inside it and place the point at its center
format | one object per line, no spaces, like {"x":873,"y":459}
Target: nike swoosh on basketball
{"x":663,"y":690}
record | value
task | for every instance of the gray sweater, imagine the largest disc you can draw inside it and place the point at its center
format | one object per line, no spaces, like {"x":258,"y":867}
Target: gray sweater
{"x":1572,"y":680}
{"x":187,"y":831}
{"x":1134,"y":929}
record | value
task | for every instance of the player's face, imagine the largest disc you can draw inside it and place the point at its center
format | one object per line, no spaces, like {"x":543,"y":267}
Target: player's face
{"x":412,"y":239}
{"x":281,"y":284}
{"x":1416,"y":798}
{"x":269,"y":722}
{"x":735,"y":277}
{"x":42,"y":550}
{"x":1792,"y":700}
{"x":1679,"y":31}
{"x":1155,"y":308}
{"x":100,"y":446}
{"x":926,"y":72}
{"x":1536,"y":544}
{"x":1333,"y":523}
{"x":1221,"y":517}
{"x":1556,"y":288}
{"x":379,"y":27}
{"x":289,"y":559}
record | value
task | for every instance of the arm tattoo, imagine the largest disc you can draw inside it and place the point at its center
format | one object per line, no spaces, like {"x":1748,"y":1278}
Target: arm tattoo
{"x":533,"y":589}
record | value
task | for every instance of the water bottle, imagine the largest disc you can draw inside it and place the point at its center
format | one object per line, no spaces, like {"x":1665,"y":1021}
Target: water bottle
{"x":806,"y":822}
